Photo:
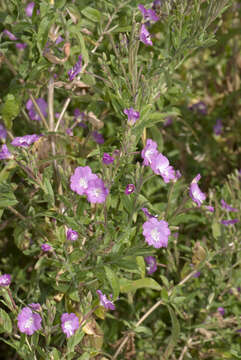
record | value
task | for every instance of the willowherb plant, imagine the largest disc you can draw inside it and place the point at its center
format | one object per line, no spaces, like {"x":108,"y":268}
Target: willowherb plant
{"x":99,"y":226}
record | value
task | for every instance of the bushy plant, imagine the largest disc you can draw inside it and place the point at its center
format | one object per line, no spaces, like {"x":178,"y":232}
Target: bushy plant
{"x":120,"y":225}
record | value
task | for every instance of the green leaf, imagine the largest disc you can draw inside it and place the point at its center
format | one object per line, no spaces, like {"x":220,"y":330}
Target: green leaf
{"x":174,"y":335}
{"x":21,"y":237}
{"x":5,"y":322}
{"x":7,"y":197}
{"x":75,"y":256}
{"x":123,"y":29}
{"x":141,"y":265}
{"x":114,"y":282}
{"x":43,"y":30}
{"x":85,"y":356}
{"x":74,"y":340}
{"x":143,"y":329}
{"x":130,"y":285}
{"x":74,"y":295}
{"x":54,"y":355}
{"x":150,"y":120}
{"x":216,"y":230}
{"x":84,"y":51}
{"x":10,"y":110}
{"x":41,"y":352}
{"x":92,"y":14}
{"x":48,"y":190}
{"x":59,"y":3}
{"x":164,"y":295}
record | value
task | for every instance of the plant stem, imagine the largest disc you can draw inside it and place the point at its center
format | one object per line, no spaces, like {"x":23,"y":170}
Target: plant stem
{"x":38,"y":110}
{"x":66,"y":104}
{"x":170,"y":191}
{"x":11,"y":298}
{"x":150,"y":311}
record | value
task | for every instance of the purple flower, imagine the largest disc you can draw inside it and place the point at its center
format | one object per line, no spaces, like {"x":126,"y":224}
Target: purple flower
{"x":3,"y":132}
{"x":21,"y":46}
{"x":10,"y":35}
{"x":31,"y":109}
{"x":96,"y":191}
{"x":25,"y":141}
{"x":145,"y":36}
{"x":108,"y":304}
{"x":156,"y":232}
{"x":69,"y":132}
{"x":209,"y":208}
{"x":69,"y":324}
{"x":76,"y":69}
{"x":160,"y":166}
{"x":79,"y":180}
{"x":130,"y":188}
{"x":148,"y":14}
{"x":132,"y":114}
{"x":80,"y":116}
{"x":147,"y":213}
{"x":156,"y":5}
{"x":97,"y":137}
{"x":197,"y":274}
{"x":221,"y":310}
{"x":29,"y":9}
{"x":5,"y":153}
{"x":59,"y":40}
{"x":46,"y":247}
{"x":178,"y":175}
{"x":72,"y":235}
{"x":149,"y":152}
{"x":77,"y":112}
{"x":217,"y":129}
{"x":151,"y":264}
{"x":28,"y":321}
{"x":229,"y":222}
{"x":196,"y":194}
{"x":5,"y":280}
{"x":200,"y":107}
{"x":107,"y":159}
{"x":168,"y":121}
{"x":228,"y":207}
{"x":35,"y":306}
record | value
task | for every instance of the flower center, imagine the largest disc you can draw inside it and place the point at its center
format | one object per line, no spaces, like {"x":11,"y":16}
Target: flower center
{"x":197,"y":194}
{"x":155,"y":235}
{"x":83,"y":183}
{"x":28,"y":323}
{"x":149,"y":154}
{"x":96,"y":192}
{"x":74,"y":236}
{"x":68,"y":326}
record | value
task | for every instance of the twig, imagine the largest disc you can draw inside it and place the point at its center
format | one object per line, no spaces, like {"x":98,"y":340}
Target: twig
{"x":38,"y":110}
{"x":106,"y":29}
{"x":185,"y":349}
{"x":16,"y":213}
{"x":153,"y":308}
{"x":51,"y":118}
{"x":11,"y":298}
{"x":51,"y":103}
{"x":66,"y":104}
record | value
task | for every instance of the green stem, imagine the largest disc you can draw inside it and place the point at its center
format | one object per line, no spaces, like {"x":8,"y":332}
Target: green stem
{"x":170,"y":191}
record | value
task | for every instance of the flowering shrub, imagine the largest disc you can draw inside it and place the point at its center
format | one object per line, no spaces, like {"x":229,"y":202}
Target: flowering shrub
{"x":120,"y":226}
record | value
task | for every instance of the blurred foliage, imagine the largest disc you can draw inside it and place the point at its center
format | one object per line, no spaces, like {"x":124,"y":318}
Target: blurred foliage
{"x":181,"y":85}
